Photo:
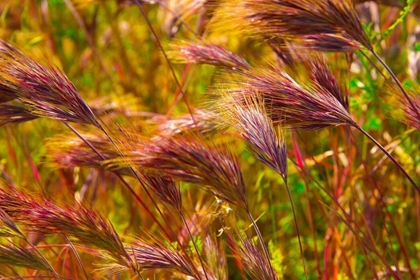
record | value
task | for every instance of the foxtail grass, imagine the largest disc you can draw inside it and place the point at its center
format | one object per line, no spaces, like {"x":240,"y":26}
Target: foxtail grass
{"x":174,"y":187}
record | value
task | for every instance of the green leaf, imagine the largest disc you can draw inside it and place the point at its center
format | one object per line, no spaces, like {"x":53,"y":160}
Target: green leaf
{"x":198,"y":242}
{"x":373,"y":123}
{"x":417,"y":46}
{"x":36,"y":40}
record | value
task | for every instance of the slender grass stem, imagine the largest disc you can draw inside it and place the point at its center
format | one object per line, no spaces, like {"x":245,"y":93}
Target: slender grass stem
{"x":147,"y":192}
{"x":76,"y":254}
{"x":398,"y":83}
{"x":296,"y":226}
{"x":261,"y":239}
{"x":135,"y":175}
{"x":88,"y":36}
{"x":381,"y":200}
{"x":122,"y":180}
{"x":297,"y":152}
{"x":366,"y":247}
{"x":43,"y":258}
{"x":167,"y":59}
{"x":193,"y":242}
{"x":374,"y":65}
{"x":390,"y":157}
{"x":392,"y":222}
{"x":128,"y":186}
{"x":180,"y":19}
{"x":139,"y":275}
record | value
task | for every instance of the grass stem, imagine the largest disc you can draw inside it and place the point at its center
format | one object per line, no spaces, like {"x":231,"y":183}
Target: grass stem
{"x":296,"y":226}
{"x":44,"y":259}
{"x":388,"y":69}
{"x":194,"y":244}
{"x":261,"y":240}
{"x":76,"y":254}
{"x":390,"y":157}
{"x":121,"y":179}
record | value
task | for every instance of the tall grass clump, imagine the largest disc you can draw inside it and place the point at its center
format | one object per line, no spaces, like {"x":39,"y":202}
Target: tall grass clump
{"x":209,"y":139}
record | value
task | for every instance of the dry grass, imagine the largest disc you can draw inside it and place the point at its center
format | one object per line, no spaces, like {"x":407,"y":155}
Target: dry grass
{"x":155,"y":166}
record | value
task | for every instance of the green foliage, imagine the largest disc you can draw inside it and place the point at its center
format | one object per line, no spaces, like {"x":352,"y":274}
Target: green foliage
{"x":403,"y":14}
{"x":277,"y":259}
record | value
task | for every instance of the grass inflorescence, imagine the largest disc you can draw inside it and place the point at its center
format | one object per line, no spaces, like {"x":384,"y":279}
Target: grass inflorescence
{"x":207,"y":140}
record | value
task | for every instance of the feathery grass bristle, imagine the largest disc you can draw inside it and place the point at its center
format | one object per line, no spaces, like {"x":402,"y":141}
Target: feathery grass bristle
{"x":293,"y":105}
{"x":15,"y":255}
{"x":322,"y":25}
{"x":44,"y":91}
{"x":250,"y":119}
{"x":166,"y":189}
{"x":161,"y":172}
{"x":8,"y":228}
{"x":255,"y":264}
{"x":202,"y":53}
{"x":155,"y":255}
{"x":404,"y":111}
{"x":86,"y":226}
{"x":13,"y":114}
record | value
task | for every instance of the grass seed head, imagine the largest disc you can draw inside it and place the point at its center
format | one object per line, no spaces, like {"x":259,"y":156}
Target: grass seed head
{"x":12,"y":114}
{"x":307,"y":106}
{"x":191,"y":159}
{"x":208,"y":54}
{"x":325,"y":79}
{"x":166,"y":189}
{"x":20,"y":256}
{"x":404,"y":111}
{"x":250,"y":119}
{"x":86,"y":226}
{"x":8,"y":228}
{"x":44,"y":91}
{"x":249,"y":254}
{"x":155,"y":255}
{"x":68,"y":151}
{"x":321,"y":25}
{"x":255,"y":262}
{"x":198,"y":161}
{"x":203,"y":121}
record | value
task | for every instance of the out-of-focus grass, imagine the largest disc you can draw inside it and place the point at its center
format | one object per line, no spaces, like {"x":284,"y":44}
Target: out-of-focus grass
{"x":357,"y":214}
